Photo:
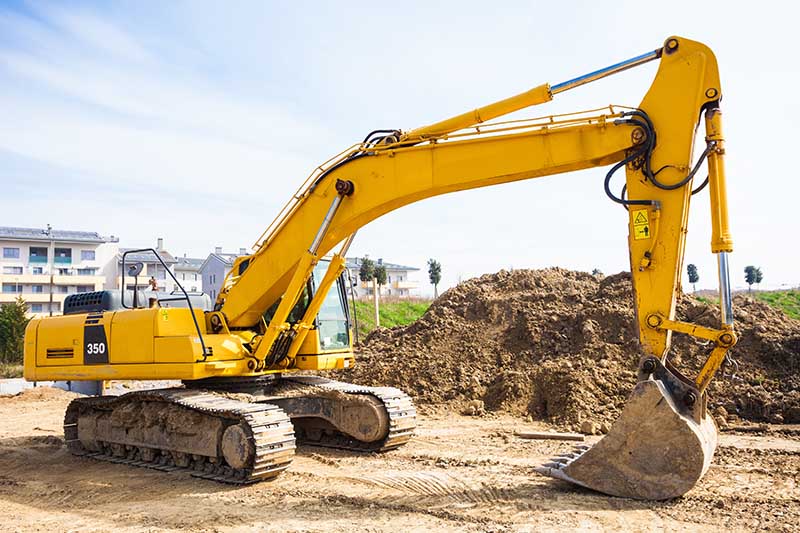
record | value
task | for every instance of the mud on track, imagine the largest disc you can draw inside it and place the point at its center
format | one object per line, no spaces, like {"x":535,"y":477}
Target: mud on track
{"x":459,"y":474}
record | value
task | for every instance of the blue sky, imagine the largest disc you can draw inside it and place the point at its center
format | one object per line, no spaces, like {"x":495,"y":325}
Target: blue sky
{"x":195,"y":121}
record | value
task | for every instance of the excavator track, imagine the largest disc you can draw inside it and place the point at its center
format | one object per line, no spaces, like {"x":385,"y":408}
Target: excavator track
{"x":398,"y":405}
{"x":251,"y":441}
{"x":297,"y":396}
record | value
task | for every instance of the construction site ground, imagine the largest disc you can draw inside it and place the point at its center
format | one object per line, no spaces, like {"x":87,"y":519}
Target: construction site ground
{"x":461,"y":473}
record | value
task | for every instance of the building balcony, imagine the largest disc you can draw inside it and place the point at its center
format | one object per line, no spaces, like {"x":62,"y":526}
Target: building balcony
{"x":63,"y":260}
{"x":37,"y":259}
{"x":33,"y":298}
{"x":58,"y":279}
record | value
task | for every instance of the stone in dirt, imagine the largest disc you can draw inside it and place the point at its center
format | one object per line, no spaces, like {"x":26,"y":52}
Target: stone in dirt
{"x":562,"y":346}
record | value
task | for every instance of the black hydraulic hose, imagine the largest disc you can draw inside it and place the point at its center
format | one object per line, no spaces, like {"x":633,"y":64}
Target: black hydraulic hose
{"x":701,"y":187}
{"x":374,"y":132}
{"x":334,"y":167}
{"x":650,"y":143}
{"x":607,"y":183}
{"x":688,"y":177}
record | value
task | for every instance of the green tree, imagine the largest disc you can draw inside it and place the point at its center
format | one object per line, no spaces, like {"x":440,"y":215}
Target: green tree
{"x":759,"y":277}
{"x":694,"y":277}
{"x":750,"y":276}
{"x":380,"y":276}
{"x":435,"y":275}
{"x":13,"y":321}
{"x":367,"y":273}
{"x":367,"y":269}
{"x":597,"y":272}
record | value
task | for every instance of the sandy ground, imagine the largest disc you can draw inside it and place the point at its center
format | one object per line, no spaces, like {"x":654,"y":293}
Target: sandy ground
{"x":459,"y":474}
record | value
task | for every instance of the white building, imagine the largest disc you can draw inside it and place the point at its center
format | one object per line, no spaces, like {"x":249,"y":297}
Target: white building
{"x":397,"y":279}
{"x":187,"y":270}
{"x":153,"y":268}
{"x":215,"y":268}
{"x":47,"y":265}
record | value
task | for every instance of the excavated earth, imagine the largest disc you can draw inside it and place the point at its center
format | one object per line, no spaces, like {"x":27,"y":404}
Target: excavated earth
{"x":561,"y":346}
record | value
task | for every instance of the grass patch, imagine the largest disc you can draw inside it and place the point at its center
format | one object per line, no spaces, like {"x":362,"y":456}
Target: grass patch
{"x":394,"y":312}
{"x":10,"y":370}
{"x":786,"y":301}
{"x":707,"y":300}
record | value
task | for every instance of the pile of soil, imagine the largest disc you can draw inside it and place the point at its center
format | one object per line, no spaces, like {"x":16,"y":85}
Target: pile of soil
{"x":562,"y":346}
{"x":38,"y":394}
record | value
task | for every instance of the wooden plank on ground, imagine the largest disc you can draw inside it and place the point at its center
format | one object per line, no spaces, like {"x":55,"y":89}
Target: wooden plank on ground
{"x":548,"y":435}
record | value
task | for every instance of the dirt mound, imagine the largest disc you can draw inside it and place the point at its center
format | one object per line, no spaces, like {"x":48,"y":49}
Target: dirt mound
{"x":38,"y":394}
{"x":562,"y":346}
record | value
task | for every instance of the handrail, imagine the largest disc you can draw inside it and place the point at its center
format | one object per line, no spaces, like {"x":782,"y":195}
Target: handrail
{"x":178,"y":283}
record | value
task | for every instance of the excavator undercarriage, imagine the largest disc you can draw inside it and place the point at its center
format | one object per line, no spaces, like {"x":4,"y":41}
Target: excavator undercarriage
{"x":237,"y":430}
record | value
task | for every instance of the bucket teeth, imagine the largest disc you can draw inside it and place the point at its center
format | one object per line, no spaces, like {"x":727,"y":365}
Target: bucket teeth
{"x":555,"y":470}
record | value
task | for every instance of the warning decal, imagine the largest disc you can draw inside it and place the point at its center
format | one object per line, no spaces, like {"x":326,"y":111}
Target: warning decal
{"x":641,"y":224}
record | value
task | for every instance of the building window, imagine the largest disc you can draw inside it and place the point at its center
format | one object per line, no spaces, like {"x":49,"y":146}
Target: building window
{"x":87,"y":255}
{"x":12,"y":270}
{"x":64,"y":271}
{"x":12,"y":287}
{"x":63,"y":255}
{"x":85,"y":288}
{"x":37,"y":288}
{"x":194,"y":289}
{"x":37,"y":255}
{"x":160,"y":272}
{"x":36,"y":308}
{"x":194,"y":277}
{"x":55,"y":307}
{"x":87,"y":271}
{"x":37,"y":270}
{"x":10,"y":253}
{"x":63,"y":289}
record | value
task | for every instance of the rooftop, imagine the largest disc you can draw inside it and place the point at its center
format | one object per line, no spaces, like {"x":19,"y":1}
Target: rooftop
{"x":145,"y":257}
{"x":355,"y":262}
{"x":193,"y":263}
{"x":56,"y":235}
{"x":225,"y":258}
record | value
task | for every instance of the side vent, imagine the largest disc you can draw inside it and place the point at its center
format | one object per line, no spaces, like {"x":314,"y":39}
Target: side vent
{"x":60,"y":353}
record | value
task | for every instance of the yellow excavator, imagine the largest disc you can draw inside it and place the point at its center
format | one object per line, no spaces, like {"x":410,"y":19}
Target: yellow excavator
{"x":244,"y":403}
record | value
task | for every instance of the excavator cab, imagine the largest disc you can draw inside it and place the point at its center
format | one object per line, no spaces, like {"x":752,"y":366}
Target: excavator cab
{"x":333,"y":324}
{"x":329,"y":340}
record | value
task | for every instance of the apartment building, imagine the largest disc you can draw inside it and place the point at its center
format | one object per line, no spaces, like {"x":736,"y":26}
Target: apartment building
{"x":44,"y":266}
{"x":214,"y":269}
{"x":397,"y":279}
{"x":185,"y":269}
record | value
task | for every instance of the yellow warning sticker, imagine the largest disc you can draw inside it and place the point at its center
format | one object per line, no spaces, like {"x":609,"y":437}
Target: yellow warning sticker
{"x":164,"y":314}
{"x":641,"y":224}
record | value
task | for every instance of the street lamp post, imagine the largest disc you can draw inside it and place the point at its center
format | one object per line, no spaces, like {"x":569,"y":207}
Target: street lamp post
{"x":50,"y":262}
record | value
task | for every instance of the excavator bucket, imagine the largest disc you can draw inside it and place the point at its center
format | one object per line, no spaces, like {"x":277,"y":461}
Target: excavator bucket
{"x":659,"y":447}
